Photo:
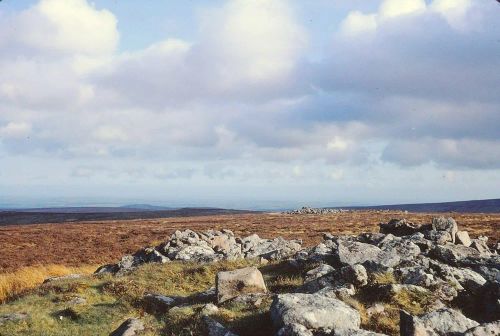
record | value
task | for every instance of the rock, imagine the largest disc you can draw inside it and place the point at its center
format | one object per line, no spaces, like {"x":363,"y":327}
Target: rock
{"x":209,"y":309}
{"x":399,"y":227}
{"x":339,"y":290}
{"x":377,"y":308}
{"x":439,"y":237}
{"x":355,"y":274}
{"x":318,"y":272}
{"x":149,"y":255}
{"x":270,"y":249}
{"x":313,"y":311}
{"x":441,"y":322}
{"x":350,"y":253}
{"x":254,"y":299}
{"x":445,"y":224}
{"x":64,"y":277}
{"x":13,"y":317}
{"x":77,"y":301}
{"x":294,"y":329}
{"x":196,"y":253}
{"x":207,"y":296}
{"x":452,"y":254}
{"x":485,"y":329}
{"x":214,"y":328}
{"x":481,"y":246}
{"x":404,"y":248}
{"x":241,"y":281}
{"x":355,"y":332}
{"x":130,"y":327}
{"x":156,"y":303}
{"x":415,"y":276}
{"x":208,"y":246}
{"x":462,"y":237}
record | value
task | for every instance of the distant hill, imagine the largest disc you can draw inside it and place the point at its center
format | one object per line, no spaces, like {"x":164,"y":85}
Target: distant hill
{"x":76,"y":214}
{"x":474,"y":206}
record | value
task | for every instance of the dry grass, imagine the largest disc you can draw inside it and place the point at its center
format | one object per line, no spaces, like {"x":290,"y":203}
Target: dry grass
{"x":385,"y":278}
{"x":24,"y":279}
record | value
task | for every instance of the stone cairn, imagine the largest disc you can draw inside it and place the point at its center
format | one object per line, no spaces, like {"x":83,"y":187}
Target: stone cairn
{"x":460,"y":274}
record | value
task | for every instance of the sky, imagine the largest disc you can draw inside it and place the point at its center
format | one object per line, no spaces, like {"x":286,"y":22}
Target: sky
{"x":248,"y":104}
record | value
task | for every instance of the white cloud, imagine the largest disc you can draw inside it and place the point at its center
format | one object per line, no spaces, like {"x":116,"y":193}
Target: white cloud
{"x":110,"y":134}
{"x":395,"y":8}
{"x":15,"y":130}
{"x":453,"y":10}
{"x":68,"y":26}
{"x":357,"y":22}
{"x":337,"y":174}
{"x":337,"y":144}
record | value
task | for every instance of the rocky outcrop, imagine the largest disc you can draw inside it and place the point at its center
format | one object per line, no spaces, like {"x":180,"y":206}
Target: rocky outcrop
{"x":208,"y":246}
{"x":435,"y":261}
{"x":314,"y":211}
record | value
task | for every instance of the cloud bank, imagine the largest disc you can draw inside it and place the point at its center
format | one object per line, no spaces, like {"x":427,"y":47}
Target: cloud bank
{"x":412,"y":84}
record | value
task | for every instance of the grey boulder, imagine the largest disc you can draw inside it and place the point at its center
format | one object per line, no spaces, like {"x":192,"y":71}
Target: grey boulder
{"x":231,"y":284}
{"x":313,"y":311}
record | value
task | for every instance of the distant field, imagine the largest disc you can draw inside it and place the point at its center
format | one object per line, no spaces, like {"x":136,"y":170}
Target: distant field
{"x":98,"y":242}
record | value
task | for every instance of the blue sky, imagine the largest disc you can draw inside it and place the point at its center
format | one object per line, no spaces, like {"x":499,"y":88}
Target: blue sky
{"x":266,"y":103}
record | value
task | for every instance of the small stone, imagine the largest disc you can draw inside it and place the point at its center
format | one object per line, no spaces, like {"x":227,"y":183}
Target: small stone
{"x":13,"y":317}
{"x":462,"y":237}
{"x":156,"y":303}
{"x":209,"y":309}
{"x":130,"y":327}
{"x":214,"y":328}
{"x":355,"y":274}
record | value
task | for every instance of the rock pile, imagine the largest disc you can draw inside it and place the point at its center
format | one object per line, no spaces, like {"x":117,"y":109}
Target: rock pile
{"x":314,"y":211}
{"x":460,"y":276}
{"x":208,"y":246}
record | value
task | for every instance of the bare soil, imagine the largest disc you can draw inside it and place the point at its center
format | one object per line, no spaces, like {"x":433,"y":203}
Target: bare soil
{"x":99,"y":242}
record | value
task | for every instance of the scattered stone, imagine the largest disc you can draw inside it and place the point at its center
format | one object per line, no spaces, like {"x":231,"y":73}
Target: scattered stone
{"x":481,"y":246}
{"x":318,"y":272}
{"x":209,"y":309}
{"x":447,"y":225}
{"x":314,"y":211}
{"x":208,"y":246}
{"x":130,"y":327}
{"x":156,"y":303}
{"x":77,"y":301}
{"x":294,"y":329}
{"x":13,"y":317}
{"x":241,"y":281}
{"x":399,"y":227}
{"x":61,"y":278}
{"x":355,"y":332}
{"x":313,"y":311}
{"x":462,"y":237}
{"x":214,"y":328}
{"x":453,"y":254}
{"x":442,"y":322}
{"x":355,"y":274}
